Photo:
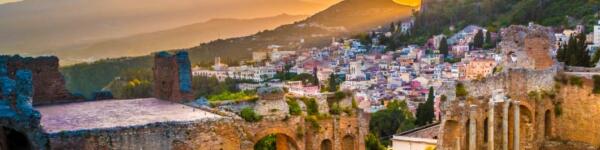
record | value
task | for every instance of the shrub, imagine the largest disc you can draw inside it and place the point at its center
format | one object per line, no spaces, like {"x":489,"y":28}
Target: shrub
{"x":461,"y":91}
{"x":596,"y":89}
{"x":354,"y":103}
{"x":558,"y":109}
{"x":313,"y":122}
{"x":250,"y":115}
{"x":312,"y":108}
{"x":576,"y":81}
{"x":294,"y":107}
{"x":335,"y":109}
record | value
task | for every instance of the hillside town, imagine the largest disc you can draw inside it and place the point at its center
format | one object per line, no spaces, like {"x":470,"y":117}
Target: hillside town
{"x":376,"y":75}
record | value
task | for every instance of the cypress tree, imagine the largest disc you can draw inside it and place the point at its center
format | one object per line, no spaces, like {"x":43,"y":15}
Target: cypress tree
{"x":478,"y":40}
{"x":444,"y":46}
{"x":425,"y":112}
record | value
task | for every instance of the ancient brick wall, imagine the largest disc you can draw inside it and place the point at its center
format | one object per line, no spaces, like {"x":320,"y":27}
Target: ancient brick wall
{"x":172,"y":77}
{"x":580,"y":115}
{"x":48,"y":82}
{"x":226,"y":134}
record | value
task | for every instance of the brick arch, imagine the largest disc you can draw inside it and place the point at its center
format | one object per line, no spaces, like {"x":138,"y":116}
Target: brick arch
{"x":281,"y":134}
{"x":349,"y":142}
{"x":12,"y":139}
{"x":526,"y":127}
{"x":452,"y":134}
{"x":326,"y":144}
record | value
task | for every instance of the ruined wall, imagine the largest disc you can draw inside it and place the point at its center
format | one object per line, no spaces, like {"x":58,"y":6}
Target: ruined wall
{"x":48,"y":82}
{"x":527,"y":47}
{"x":16,"y":110}
{"x":225,"y":134}
{"x":580,"y":115}
{"x":516,"y":81}
{"x":172,"y":77}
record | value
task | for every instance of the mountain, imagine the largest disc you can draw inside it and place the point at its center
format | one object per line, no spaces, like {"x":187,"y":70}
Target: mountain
{"x":177,"y":38}
{"x":35,"y":27}
{"x":345,"y":18}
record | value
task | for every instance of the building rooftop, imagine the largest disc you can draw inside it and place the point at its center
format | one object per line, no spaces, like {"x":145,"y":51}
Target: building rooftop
{"x":116,"y":113}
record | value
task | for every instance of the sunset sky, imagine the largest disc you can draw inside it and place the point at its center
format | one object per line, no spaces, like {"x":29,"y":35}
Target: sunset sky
{"x":8,"y":1}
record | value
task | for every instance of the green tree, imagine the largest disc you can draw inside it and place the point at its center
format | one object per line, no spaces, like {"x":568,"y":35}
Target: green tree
{"x":395,"y":118}
{"x":425,"y":112}
{"x":373,"y":143}
{"x":478,"y":40}
{"x":444,"y":47}
{"x":595,"y":57}
{"x":333,"y":84}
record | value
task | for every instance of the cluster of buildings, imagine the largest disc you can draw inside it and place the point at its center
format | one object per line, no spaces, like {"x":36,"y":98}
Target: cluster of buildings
{"x":373,"y":74}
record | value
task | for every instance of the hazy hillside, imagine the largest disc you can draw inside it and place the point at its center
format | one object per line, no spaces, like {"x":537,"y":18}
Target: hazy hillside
{"x":36,"y":26}
{"x":177,"y":38}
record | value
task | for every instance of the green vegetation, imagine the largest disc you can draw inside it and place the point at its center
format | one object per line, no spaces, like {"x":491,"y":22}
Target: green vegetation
{"x":239,"y":96}
{"x":576,"y":81}
{"x":132,"y":84}
{"x":87,"y":78}
{"x":425,"y":112}
{"x":314,"y":123}
{"x":595,"y":57}
{"x":461,"y":90}
{"x":250,"y":115}
{"x":444,"y":47}
{"x":478,"y":40}
{"x":493,"y":14}
{"x":575,"y":53}
{"x":294,"y":107}
{"x":312,"y":108}
{"x":333,"y":83}
{"x":335,"y":109}
{"x":395,"y":118}
{"x":373,"y":143}
{"x":596,"y":89}
{"x":267,"y":143}
{"x":558,"y":110}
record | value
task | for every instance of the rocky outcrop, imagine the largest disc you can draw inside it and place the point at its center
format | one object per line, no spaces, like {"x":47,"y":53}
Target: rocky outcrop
{"x":48,"y":82}
{"x":173,"y":77}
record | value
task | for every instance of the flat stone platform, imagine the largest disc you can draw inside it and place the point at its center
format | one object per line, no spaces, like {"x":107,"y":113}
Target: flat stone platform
{"x":116,"y":113}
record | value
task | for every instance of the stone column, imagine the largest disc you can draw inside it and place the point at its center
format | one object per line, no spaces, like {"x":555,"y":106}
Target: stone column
{"x":472,"y":128}
{"x":491,"y":125}
{"x":517,"y":128}
{"x":505,"y":125}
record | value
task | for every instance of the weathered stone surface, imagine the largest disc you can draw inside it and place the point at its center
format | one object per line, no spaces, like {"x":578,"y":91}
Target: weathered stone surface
{"x":48,"y":82}
{"x":172,"y":77}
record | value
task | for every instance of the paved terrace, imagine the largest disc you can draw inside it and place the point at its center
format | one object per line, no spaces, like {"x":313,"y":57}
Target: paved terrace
{"x":116,"y":113}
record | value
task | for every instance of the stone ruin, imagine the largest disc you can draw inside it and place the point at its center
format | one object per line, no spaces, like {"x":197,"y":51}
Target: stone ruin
{"x":48,"y":82}
{"x":527,"y":47}
{"x":17,"y":112}
{"x":271,"y":102}
{"x":173,"y":77}
{"x":152,"y":123}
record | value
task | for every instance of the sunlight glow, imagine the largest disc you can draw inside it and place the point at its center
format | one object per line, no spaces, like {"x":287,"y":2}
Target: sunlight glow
{"x":412,"y":3}
{"x":8,"y":1}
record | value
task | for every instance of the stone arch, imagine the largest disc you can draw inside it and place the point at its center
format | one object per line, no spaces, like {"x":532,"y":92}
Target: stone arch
{"x":485,"y":130}
{"x":282,"y":141}
{"x":526,"y":128}
{"x":451,"y":136}
{"x":348,"y":143}
{"x":11,"y":139}
{"x":326,"y":145}
{"x":548,"y":124}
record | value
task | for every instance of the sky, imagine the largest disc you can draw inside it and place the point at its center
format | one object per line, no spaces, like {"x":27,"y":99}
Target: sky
{"x":8,"y":1}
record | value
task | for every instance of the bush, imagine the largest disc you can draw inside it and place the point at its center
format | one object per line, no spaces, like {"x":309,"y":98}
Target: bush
{"x":313,"y":122}
{"x":576,"y":81}
{"x":461,"y":91}
{"x":558,"y":109}
{"x":294,"y":107}
{"x":312,"y":108}
{"x":250,"y":115}
{"x":596,"y":79}
{"x":335,"y":109}
{"x":373,"y":143}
